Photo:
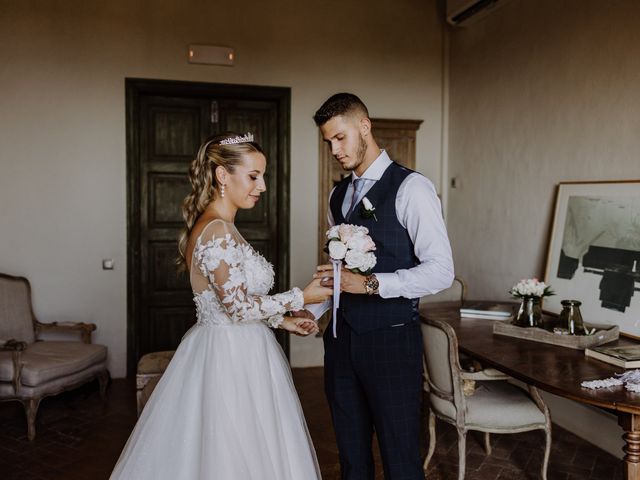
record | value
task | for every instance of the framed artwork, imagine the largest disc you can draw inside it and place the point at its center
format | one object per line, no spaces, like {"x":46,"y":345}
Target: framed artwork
{"x":594,"y":252}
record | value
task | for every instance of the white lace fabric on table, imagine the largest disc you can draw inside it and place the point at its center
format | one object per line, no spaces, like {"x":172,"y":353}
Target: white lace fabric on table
{"x":230,"y":281}
{"x":630,"y":380}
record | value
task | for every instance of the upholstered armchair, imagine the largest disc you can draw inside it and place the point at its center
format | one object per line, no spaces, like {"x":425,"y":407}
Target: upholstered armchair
{"x":42,"y":359}
{"x":493,"y":406}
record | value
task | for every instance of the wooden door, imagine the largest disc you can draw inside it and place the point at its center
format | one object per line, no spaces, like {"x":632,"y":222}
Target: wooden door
{"x":166,"y":123}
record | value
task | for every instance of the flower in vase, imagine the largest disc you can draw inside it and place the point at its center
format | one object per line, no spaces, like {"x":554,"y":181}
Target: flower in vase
{"x":531,"y":287}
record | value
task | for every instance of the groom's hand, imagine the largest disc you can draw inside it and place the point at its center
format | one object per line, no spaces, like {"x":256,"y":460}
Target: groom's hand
{"x":352,"y":282}
{"x":349,"y":282}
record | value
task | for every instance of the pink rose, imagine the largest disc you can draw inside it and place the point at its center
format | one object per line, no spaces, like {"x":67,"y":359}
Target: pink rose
{"x":346,"y":232}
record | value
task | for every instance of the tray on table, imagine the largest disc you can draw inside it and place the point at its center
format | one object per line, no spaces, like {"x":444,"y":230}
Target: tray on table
{"x":603,"y":334}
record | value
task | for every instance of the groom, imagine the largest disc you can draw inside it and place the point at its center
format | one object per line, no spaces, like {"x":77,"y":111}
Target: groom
{"x":373,"y":369}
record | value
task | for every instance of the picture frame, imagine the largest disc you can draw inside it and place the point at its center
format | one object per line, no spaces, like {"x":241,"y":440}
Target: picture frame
{"x":594,"y":252}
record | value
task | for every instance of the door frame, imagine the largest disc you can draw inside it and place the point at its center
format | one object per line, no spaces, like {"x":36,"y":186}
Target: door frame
{"x":134,"y":88}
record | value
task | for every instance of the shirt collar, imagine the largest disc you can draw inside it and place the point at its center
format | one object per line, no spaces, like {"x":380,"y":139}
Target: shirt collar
{"x":376,"y":169}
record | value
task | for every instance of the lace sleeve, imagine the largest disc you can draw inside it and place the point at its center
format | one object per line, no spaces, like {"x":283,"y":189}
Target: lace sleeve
{"x":220,"y":259}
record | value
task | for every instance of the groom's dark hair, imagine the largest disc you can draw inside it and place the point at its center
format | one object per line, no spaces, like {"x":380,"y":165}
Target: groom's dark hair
{"x":339,"y":104}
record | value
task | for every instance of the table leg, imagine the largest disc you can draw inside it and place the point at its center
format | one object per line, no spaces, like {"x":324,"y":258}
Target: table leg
{"x":630,"y":423}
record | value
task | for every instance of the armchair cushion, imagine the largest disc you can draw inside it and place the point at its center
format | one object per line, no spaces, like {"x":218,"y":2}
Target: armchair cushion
{"x":54,"y":386}
{"x":46,"y":361}
{"x":501,"y":405}
{"x":154,"y":363}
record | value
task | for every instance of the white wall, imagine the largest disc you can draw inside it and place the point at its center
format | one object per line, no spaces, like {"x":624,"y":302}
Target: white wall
{"x":541,"y":92}
{"x":62,"y":121}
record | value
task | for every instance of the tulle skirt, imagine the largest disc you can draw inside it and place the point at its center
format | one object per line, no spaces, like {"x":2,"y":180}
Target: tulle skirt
{"x":225,"y":409}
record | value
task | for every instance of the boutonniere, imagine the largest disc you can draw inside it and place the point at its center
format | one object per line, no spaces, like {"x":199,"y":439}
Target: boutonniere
{"x":368,"y":210}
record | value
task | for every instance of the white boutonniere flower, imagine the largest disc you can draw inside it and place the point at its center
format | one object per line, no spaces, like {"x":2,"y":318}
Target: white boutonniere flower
{"x":368,"y":210}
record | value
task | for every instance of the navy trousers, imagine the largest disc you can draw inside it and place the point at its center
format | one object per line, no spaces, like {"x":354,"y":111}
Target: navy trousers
{"x":373,"y":382}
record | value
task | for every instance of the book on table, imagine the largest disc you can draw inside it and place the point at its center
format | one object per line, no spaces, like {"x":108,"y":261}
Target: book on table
{"x":491,"y":311}
{"x":625,"y":356}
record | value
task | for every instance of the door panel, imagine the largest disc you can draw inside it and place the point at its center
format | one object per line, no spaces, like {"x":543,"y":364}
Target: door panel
{"x":166,"y":193}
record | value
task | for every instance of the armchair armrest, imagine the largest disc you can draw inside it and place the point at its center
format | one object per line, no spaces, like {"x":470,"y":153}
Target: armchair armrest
{"x":15,"y":347}
{"x":12,"y":345}
{"x":64,"y":331}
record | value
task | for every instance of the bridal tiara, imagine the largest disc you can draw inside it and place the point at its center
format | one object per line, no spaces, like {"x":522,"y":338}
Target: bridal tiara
{"x":237,"y":139}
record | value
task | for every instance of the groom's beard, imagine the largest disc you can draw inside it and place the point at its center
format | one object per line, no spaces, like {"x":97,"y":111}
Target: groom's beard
{"x":360,"y":154}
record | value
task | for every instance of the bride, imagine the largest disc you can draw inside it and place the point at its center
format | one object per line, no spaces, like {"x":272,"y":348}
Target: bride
{"x":226,"y":407}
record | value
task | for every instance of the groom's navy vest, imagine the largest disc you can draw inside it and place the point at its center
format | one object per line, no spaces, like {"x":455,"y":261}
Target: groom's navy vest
{"x":394,"y":251}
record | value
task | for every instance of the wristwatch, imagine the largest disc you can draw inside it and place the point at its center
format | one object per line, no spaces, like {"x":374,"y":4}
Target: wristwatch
{"x":371,"y":284}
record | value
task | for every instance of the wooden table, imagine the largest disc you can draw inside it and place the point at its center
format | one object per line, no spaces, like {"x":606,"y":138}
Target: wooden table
{"x":554,"y":369}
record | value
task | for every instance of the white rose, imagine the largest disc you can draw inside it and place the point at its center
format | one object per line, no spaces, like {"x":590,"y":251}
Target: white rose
{"x":370,"y":261}
{"x":358,"y":242}
{"x":337,"y":249}
{"x":367,"y":204}
{"x":333,"y":232}
{"x":355,"y":259}
{"x":361,"y":230}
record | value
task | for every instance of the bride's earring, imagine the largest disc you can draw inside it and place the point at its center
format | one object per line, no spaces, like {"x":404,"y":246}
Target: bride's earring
{"x":222,"y":190}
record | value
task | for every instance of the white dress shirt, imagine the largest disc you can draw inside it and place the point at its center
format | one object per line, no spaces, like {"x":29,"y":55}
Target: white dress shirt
{"x":419,"y":211}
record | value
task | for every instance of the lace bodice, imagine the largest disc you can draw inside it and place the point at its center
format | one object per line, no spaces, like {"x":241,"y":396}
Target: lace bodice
{"x":230,"y":281}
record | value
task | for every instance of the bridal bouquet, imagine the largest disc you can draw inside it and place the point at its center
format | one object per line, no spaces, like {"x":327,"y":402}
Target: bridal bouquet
{"x":351,"y":245}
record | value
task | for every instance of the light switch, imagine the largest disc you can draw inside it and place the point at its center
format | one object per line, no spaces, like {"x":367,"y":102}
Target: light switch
{"x":107,"y":264}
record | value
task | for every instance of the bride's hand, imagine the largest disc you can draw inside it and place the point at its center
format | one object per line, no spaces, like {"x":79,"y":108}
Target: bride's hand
{"x":299,"y":326}
{"x":316,"y":293}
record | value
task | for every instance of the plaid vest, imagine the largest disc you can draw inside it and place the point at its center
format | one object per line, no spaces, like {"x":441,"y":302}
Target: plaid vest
{"x":394,"y":251}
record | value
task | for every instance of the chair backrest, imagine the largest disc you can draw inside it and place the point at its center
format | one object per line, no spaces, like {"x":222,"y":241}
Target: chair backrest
{"x":443,"y":368}
{"x":16,"y":314}
{"x":457,"y":292}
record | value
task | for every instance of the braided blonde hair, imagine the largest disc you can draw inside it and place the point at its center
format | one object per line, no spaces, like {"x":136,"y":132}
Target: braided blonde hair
{"x":204,"y":183}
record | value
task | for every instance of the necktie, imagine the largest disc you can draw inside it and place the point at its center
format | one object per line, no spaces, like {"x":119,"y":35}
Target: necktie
{"x":358,"y":184}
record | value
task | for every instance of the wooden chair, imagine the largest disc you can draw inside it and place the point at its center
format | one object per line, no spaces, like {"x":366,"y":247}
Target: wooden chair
{"x":457,"y":292}
{"x":42,"y":359}
{"x":495,"y":406}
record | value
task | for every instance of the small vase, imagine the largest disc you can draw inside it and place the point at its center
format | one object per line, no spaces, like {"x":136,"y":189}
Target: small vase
{"x":571,"y":318}
{"x":530,"y":313}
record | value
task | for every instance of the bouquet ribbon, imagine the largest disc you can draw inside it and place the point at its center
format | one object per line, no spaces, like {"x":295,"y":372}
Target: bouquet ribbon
{"x":337,"y":268}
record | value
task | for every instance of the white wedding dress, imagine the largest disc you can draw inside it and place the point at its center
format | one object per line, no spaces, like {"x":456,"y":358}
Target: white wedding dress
{"x":226,"y":407}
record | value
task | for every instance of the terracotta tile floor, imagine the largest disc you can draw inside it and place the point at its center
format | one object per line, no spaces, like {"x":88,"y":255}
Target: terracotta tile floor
{"x":80,"y":437}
